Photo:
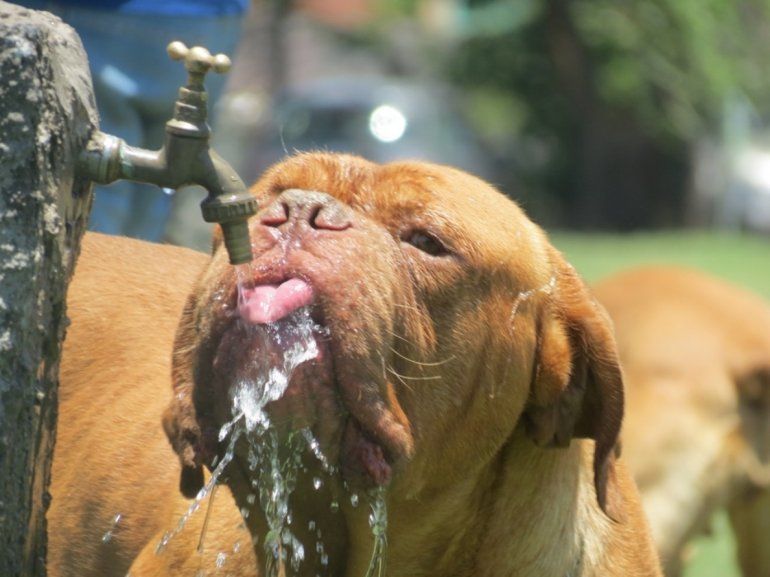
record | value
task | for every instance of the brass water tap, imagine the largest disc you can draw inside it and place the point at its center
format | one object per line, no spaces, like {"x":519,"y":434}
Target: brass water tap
{"x":185,"y":158}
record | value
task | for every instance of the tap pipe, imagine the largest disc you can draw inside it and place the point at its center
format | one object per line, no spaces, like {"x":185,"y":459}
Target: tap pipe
{"x":185,"y":158}
{"x":108,"y":158}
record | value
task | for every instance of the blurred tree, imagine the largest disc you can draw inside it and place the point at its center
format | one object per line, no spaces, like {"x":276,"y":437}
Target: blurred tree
{"x":612,"y":93}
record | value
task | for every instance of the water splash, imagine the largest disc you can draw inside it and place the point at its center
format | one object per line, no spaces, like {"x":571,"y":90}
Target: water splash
{"x":243,"y":280}
{"x":205,"y":527}
{"x":378,"y":521}
{"x":205,"y":491}
{"x":315,"y":448}
{"x":524,"y":296}
{"x":275,"y":459}
{"x":296,"y":337}
{"x":276,"y":477}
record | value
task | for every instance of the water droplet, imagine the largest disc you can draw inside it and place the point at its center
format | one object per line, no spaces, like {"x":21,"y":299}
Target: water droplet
{"x":317,"y":483}
{"x":221,"y":558}
{"x":354,"y":500}
{"x":107,"y":537}
{"x":334,"y":506}
{"x":298,"y":554}
{"x":163,"y":543}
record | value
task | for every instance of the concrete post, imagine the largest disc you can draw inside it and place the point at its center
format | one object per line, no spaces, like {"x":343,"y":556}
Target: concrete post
{"x":47,"y":112}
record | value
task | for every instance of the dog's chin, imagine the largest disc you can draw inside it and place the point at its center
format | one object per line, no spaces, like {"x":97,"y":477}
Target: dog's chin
{"x":249,"y":365}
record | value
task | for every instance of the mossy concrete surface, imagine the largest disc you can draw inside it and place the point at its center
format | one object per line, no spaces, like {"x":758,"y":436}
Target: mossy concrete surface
{"x":47,"y":113}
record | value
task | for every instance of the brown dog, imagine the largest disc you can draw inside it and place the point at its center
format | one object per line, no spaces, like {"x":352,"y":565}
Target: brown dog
{"x":461,"y":369}
{"x":111,"y":459}
{"x":696,"y":356}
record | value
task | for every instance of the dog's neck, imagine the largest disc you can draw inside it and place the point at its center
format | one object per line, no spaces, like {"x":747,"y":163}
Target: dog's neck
{"x":514,"y":508}
{"x":545,"y":518}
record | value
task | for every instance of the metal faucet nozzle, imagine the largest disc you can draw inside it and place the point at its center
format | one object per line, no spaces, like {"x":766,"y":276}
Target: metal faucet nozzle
{"x":185,"y":158}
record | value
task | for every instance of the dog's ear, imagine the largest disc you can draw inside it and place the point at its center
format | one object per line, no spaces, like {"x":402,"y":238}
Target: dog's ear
{"x":180,"y":421}
{"x":577,"y":389}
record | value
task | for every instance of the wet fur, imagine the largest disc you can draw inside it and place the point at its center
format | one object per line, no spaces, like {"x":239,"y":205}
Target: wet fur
{"x":696,"y":356}
{"x":504,"y":422}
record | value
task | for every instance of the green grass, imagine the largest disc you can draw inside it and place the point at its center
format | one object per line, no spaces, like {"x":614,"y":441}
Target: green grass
{"x":714,"y":555}
{"x":742,"y":259}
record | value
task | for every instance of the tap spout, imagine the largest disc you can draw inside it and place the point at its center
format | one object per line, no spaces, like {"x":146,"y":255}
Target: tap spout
{"x":229,"y":204}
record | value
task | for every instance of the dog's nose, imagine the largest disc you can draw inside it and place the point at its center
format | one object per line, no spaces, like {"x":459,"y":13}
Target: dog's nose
{"x":303,"y":207}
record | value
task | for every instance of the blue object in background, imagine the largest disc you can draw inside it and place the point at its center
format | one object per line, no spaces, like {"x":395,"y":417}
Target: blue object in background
{"x":136,"y":84}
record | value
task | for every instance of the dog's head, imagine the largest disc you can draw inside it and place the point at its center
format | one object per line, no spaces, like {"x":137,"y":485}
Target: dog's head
{"x":449,"y":322}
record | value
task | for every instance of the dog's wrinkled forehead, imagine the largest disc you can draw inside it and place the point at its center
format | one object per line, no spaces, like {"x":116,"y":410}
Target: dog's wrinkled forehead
{"x":403,"y":196}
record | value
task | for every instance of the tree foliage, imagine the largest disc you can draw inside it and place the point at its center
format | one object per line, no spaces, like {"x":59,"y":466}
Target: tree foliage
{"x":675,"y":62}
{"x":590,"y":77}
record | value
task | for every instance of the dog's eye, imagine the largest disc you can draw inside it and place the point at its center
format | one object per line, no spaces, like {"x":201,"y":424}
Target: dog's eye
{"x":425,"y":242}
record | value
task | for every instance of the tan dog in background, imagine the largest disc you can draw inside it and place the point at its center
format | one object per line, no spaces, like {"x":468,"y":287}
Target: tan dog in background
{"x":115,"y":476}
{"x":464,"y":366}
{"x":696,"y":356}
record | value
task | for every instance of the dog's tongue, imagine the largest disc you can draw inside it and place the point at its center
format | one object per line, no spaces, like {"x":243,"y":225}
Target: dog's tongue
{"x":270,"y":303}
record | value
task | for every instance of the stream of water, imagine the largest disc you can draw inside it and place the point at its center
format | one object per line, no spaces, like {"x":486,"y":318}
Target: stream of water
{"x":275,"y":460}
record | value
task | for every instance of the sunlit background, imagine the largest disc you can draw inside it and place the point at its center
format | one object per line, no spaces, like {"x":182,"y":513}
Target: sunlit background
{"x":634,"y":131}
{"x":593,"y":114}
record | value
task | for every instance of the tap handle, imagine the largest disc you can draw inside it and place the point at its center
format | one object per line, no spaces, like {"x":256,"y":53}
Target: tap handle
{"x":198,"y":61}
